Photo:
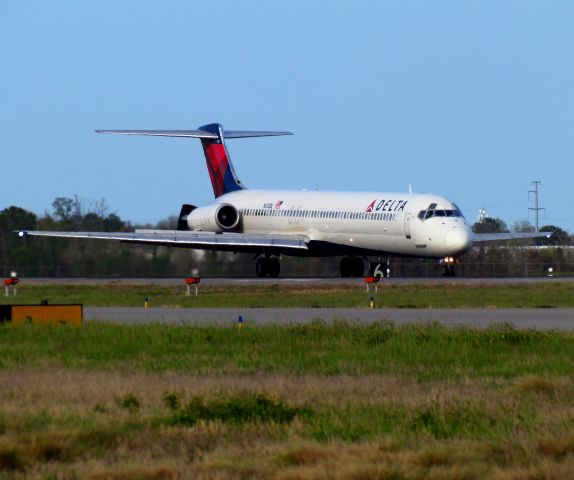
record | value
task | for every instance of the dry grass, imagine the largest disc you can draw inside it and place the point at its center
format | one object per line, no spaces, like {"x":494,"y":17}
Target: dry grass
{"x":535,"y":384}
{"x":74,"y":424}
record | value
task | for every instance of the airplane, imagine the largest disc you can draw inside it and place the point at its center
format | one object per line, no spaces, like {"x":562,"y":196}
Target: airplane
{"x":308,"y":223}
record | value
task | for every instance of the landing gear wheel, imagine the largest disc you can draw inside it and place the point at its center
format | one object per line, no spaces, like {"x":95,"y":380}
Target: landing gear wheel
{"x":352,"y":267}
{"x":273,"y":267}
{"x":267,"y":267}
{"x":261,"y":267}
{"x":448,"y":264}
{"x":358,"y":267}
{"x":346,"y":267}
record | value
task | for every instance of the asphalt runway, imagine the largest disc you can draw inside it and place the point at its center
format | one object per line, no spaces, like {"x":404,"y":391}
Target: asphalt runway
{"x":525,"y":318}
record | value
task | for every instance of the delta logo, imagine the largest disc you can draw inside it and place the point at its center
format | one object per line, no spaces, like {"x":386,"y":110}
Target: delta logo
{"x":386,"y":206}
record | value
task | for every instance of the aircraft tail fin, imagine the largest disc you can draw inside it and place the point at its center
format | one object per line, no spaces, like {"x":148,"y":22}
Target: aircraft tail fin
{"x":221,"y":171}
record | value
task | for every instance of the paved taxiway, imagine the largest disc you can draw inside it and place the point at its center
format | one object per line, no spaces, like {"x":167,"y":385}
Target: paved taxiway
{"x":537,"y":318}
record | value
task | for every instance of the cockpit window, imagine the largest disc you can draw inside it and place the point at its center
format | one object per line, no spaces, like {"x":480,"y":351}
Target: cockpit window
{"x":424,"y":214}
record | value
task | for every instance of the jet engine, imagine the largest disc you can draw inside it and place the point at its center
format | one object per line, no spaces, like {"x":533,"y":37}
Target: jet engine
{"x":219,"y":217}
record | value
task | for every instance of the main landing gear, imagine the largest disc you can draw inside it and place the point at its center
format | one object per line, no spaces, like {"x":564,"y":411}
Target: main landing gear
{"x":352,"y":267}
{"x":267,"y":267}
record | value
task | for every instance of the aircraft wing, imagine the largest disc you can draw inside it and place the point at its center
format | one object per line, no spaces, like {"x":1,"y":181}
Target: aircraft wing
{"x":180,"y":238}
{"x":493,"y":237}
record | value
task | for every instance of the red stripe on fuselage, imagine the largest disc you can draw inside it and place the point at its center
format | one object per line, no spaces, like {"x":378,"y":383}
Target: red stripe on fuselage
{"x":217,"y":165}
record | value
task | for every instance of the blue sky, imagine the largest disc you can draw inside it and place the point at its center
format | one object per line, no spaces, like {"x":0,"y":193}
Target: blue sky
{"x":472,"y":100}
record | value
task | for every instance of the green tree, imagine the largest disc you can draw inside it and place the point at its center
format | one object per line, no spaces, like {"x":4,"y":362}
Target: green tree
{"x":558,"y":237}
{"x":63,"y":208}
{"x":16,"y":218}
{"x":13,"y":251}
{"x":523,"y":226}
{"x":113,"y":223}
{"x":169,"y":223}
{"x":490,"y":225}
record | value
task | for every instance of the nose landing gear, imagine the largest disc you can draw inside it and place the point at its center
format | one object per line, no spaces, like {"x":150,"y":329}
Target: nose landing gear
{"x":267,"y":267}
{"x":352,"y":267}
{"x":448,"y":264}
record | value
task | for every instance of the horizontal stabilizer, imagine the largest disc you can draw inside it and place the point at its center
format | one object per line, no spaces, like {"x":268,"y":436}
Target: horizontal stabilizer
{"x":212,"y":136}
{"x":195,"y":133}
{"x":163,"y":133}
{"x":252,"y":134}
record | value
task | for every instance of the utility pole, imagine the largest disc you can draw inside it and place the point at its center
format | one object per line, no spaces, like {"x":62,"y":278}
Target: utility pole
{"x":536,"y":208}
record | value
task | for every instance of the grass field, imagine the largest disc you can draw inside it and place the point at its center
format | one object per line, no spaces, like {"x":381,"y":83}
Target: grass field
{"x":438,"y":295}
{"x":314,"y":401}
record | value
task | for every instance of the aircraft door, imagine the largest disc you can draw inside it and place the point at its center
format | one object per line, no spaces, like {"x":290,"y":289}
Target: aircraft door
{"x":408,"y":218}
{"x":294,"y":214}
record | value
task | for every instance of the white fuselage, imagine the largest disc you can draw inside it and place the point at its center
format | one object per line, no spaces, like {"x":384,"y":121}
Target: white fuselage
{"x":378,"y":222}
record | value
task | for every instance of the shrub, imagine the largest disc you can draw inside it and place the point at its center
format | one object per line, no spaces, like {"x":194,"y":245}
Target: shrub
{"x":236,"y":409}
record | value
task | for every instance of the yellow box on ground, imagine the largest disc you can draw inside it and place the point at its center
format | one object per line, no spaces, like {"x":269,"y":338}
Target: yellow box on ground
{"x":47,"y":314}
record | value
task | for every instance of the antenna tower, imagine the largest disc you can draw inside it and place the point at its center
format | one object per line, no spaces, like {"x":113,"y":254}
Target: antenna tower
{"x":536,"y":208}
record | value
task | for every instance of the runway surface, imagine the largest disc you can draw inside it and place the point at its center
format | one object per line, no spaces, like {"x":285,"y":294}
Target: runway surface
{"x":536,"y":318}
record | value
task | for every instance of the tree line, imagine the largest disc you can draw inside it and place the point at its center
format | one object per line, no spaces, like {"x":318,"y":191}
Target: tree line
{"x":41,"y":256}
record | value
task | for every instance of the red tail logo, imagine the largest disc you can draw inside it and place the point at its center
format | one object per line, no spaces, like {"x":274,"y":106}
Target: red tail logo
{"x":370,"y":207}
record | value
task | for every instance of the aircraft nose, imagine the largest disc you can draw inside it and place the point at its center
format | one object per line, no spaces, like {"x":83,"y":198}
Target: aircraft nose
{"x":458,"y":240}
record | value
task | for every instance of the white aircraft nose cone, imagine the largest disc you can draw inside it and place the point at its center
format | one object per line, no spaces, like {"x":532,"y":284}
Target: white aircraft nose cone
{"x":458,"y":240}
